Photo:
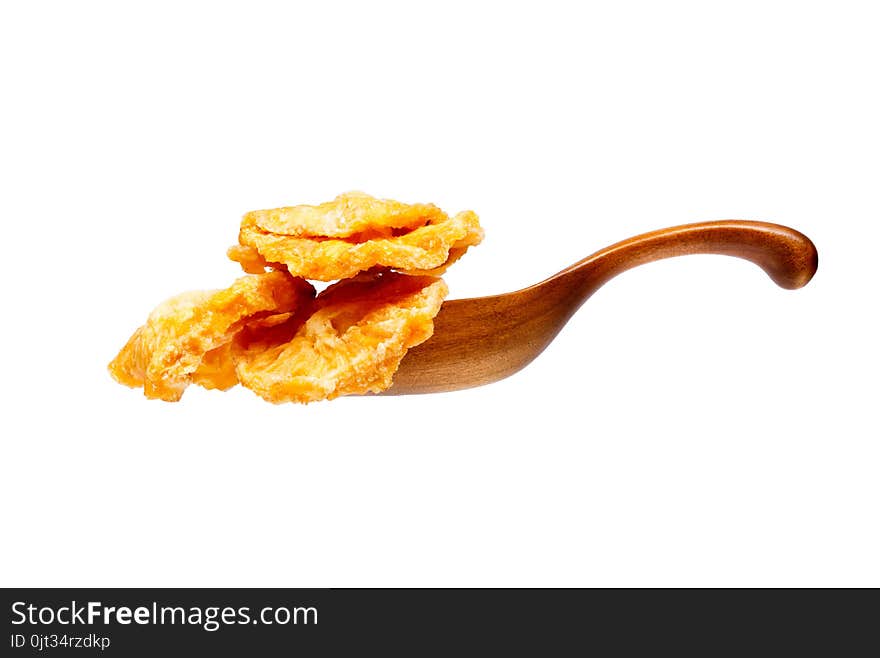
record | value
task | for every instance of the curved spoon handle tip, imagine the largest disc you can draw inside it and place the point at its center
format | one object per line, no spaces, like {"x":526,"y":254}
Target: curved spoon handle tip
{"x":787,"y":256}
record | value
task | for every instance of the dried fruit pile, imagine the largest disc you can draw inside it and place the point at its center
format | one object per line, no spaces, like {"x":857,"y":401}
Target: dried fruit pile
{"x":271,"y":333}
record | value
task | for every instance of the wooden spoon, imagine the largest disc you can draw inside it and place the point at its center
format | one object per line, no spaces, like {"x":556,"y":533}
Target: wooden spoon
{"x":481,"y":340}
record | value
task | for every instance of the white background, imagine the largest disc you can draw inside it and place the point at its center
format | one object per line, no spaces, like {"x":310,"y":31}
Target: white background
{"x":692,"y":425}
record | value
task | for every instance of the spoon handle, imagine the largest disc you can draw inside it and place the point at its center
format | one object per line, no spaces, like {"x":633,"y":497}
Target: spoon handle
{"x":786,"y":255}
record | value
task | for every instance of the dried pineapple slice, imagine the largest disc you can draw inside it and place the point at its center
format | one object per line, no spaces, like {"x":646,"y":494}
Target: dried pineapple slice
{"x":429,"y":248}
{"x":352,"y":342}
{"x":165,"y":354}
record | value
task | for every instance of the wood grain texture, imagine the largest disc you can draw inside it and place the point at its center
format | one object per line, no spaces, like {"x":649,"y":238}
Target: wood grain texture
{"x":481,"y":340}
